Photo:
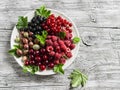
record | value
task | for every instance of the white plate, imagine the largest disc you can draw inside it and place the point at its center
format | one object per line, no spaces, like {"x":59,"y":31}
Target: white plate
{"x":74,"y":52}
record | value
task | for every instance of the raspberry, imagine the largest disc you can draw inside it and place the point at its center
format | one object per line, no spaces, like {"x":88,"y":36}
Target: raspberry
{"x":72,"y":46}
{"x":63,"y":47}
{"x":57,"y":55}
{"x":55,"y":44}
{"x":49,"y":48}
{"x":62,"y":60}
{"x":67,"y":43}
{"x":57,"y":49}
{"x":69,"y":54}
{"x":48,"y":37}
{"x":49,"y":42}
{"x":52,"y":53}
{"x":54,"y":38}
{"x":56,"y":62}
{"x":60,"y":42}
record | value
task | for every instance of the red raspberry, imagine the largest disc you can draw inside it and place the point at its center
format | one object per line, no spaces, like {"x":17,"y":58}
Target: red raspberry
{"x":63,"y":47}
{"x":72,"y":46}
{"x":62,"y":53}
{"x":62,"y":60}
{"x":55,"y":44}
{"x":60,"y":42}
{"x":49,"y":42}
{"x":57,"y":49}
{"x":67,"y":42}
{"x":68,"y":35}
{"x":54,"y":38}
{"x":52,"y":53}
{"x":56,"y":62}
{"x":49,"y":48}
{"x":57,"y":56}
{"x":69,"y":54}
{"x":48,"y":37}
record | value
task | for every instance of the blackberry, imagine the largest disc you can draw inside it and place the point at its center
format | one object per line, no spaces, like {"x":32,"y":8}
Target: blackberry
{"x":38,"y":32}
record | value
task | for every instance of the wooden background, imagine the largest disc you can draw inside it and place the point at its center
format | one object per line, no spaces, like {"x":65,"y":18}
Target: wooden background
{"x":101,"y":60}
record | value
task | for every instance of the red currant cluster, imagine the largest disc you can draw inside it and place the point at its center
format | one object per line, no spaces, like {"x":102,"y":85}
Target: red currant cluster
{"x":56,"y":24}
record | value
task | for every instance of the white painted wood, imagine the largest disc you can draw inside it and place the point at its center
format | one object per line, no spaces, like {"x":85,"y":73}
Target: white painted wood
{"x":100,"y":61}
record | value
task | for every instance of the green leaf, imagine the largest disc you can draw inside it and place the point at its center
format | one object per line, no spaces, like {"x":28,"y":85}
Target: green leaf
{"x":42,"y":37}
{"x":12,"y":51}
{"x":31,"y":69}
{"x":76,"y":40}
{"x":58,"y":69}
{"x":22,"y":22}
{"x":17,"y":46}
{"x":42,"y":11}
{"x":62,"y":35}
{"x":77,"y":78}
{"x":44,"y":34}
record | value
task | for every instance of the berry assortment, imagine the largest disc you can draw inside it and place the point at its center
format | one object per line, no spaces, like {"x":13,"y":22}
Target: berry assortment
{"x":44,"y":42}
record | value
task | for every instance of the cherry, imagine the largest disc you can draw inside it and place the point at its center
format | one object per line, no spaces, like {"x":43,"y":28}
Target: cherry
{"x":26,"y":63}
{"x":51,"y":65}
{"x":38,"y":58}
{"x":31,"y":56}
{"x":36,"y":52}
{"x":42,"y":67}
{"x":32,"y":62}
{"x":31,"y":51}
{"x":42,"y":50}
{"x":45,"y":57}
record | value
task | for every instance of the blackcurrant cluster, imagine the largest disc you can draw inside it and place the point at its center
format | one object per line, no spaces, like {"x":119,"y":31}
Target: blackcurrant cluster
{"x":35,"y":24}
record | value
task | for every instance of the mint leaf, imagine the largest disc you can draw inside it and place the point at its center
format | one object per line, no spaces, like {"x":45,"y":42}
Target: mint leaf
{"x":42,"y":37}
{"x":31,"y":69}
{"x":22,"y":22}
{"x":42,"y":11}
{"x":58,"y":69}
{"x":76,"y":40}
{"x":44,"y":34}
{"x":77,"y":78}
{"x":62,"y":35}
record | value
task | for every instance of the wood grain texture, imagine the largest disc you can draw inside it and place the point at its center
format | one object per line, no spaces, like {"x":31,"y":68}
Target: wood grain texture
{"x":100,"y":61}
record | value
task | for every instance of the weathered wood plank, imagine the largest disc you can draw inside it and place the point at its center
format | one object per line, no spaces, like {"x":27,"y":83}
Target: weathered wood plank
{"x":102,"y":13}
{"x":101,"y":61}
